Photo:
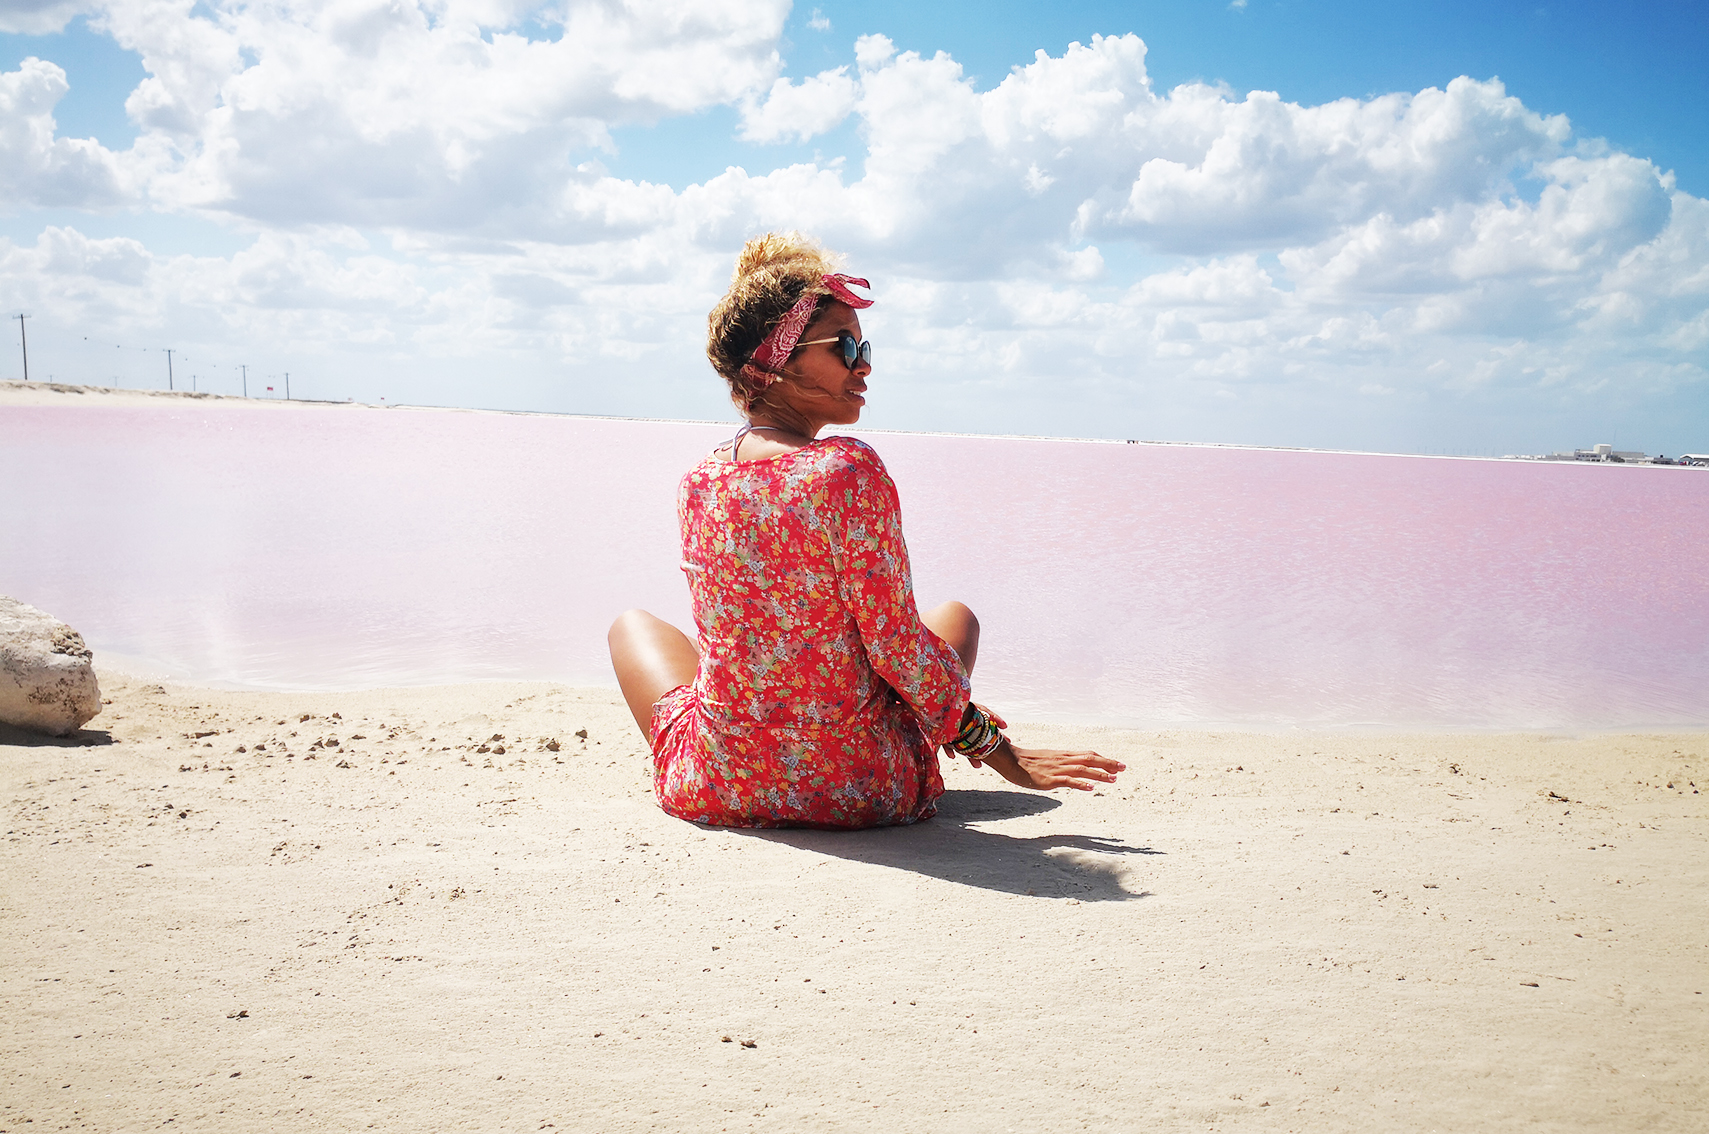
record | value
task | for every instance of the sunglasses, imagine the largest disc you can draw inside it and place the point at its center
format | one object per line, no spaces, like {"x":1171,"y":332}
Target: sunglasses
{"x":854,"y":350}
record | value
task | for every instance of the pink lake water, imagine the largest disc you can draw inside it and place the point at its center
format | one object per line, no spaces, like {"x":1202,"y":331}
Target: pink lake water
{"x":1119,"y":583}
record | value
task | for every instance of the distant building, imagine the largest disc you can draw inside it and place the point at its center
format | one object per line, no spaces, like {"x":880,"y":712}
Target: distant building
{"x":1607,"y":454}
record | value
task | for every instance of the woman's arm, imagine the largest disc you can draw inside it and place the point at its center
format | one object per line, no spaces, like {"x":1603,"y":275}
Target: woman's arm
{"x":1044,"y":769}
{"x":877,"y":587}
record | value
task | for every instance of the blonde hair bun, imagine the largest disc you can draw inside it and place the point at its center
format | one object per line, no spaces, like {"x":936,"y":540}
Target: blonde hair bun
{"x":773,"y":272}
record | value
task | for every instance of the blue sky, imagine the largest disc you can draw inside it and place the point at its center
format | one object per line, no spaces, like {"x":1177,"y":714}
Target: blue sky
{"x":1458,"y":227}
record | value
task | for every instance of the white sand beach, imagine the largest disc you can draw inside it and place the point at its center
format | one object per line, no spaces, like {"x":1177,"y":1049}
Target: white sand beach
{"x":464,"y":916}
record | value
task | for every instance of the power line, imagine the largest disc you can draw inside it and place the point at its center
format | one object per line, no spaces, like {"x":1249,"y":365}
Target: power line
{"x":174,"y":355}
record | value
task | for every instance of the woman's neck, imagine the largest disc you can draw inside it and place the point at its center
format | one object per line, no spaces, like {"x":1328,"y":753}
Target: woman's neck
{"x":794,"y":431}
{"x":758,"y":441}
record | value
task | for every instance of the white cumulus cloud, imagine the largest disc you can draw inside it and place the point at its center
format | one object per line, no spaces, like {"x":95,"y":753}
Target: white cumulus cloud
{"x":799,"y":111}
{"x":437,"y":116}
{"x":39,"y":168}
{"x":1071,"y":249}
{"x":39,"y":17}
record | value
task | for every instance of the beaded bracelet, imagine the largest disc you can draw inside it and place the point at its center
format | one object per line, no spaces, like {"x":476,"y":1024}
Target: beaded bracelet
{"x":979,"y":736}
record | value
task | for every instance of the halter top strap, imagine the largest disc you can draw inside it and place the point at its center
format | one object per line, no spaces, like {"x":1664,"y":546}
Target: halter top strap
{"x":736,"y":441}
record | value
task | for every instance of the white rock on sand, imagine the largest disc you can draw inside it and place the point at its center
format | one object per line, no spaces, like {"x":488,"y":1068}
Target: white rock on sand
{"x":47,"y":674}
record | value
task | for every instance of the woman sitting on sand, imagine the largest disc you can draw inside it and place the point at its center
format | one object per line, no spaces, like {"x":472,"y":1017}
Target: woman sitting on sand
{"x":818,"y":695}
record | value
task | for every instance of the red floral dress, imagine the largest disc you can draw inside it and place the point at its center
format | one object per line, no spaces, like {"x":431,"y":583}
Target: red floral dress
{"x":821,"y":698}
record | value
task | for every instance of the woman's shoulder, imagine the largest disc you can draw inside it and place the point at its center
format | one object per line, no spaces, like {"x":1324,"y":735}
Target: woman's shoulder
{"x":846,"y":460}
{"x":849,"y":472}
{"x":829,"y":461}
{"x":839,"y":452}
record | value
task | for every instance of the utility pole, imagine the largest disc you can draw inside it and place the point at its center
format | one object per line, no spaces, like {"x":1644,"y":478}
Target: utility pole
{"x":245,"y":370}
{"x":169,"y":368}
{"x":24,"y":341}
{"x":287,"y":385}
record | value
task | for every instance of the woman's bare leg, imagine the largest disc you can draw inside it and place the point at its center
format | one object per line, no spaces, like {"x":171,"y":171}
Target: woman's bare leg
{"x":956,"y":624}
{"x":651,"y":658}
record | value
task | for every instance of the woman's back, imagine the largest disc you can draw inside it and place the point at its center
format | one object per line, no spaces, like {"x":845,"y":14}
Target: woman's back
{"x":801,"y":590}
{"x":815,"y":668}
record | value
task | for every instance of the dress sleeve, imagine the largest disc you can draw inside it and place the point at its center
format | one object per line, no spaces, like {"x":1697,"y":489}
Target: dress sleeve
{"x":875,"y":584}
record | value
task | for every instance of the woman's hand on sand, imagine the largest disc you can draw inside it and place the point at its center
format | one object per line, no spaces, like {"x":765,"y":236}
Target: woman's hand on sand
{"x":1044,"y":769}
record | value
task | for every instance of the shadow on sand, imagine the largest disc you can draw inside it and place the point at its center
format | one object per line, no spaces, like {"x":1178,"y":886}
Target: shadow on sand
{"x":946,"y":847}
{"x":13,"y":736}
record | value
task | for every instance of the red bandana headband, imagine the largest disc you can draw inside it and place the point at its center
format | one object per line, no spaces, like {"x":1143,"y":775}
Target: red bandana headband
{"x":765,"y":365}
